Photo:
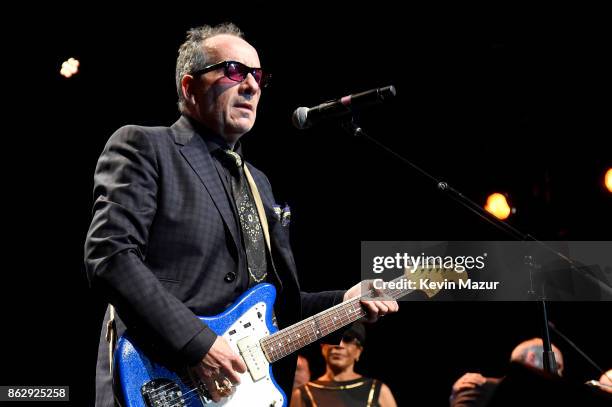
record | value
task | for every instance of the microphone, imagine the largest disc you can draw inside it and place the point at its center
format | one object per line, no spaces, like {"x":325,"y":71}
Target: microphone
{"x":304,"y":117}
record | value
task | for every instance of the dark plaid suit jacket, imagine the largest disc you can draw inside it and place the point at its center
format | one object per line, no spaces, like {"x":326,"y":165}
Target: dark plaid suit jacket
{"x":163,"y":246}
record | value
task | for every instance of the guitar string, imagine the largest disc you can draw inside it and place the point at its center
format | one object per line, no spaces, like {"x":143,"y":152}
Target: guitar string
{"x":323,"y":323}
{"x":394,"y":293}
{"x":258,"y":345}
{"x":185,"y":379}
{"x":184,"y":398}
{"x":299,"y":326}
{"x":190,"y":394}
{"x":255,"y":346}
{"x":326,"y":324}
{"x":281,"y":335}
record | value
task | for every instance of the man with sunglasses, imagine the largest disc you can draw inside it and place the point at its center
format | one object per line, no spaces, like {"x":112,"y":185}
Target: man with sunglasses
{"x":177,"y":227}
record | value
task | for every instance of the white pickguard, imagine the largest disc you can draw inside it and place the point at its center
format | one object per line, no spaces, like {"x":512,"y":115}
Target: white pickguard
{"x":263,"y":391}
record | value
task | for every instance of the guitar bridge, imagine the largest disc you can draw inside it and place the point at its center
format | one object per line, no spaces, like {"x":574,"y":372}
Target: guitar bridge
{"x":162,"y":393}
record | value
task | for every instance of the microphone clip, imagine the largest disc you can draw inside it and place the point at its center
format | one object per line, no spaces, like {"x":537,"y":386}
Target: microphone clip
{"x":352,"y":128}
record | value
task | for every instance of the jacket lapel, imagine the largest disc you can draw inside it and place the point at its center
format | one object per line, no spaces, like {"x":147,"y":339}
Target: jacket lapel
{"x":196,"y":153}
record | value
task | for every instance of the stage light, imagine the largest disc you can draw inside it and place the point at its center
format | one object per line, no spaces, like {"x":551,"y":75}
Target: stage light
{"x":608,"y":179}
{"x":497,"y":205}
{"x":70,"y":67}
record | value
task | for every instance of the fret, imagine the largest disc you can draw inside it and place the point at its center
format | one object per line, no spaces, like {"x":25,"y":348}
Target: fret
{"x":288,"y":340}
{"x":294,"y":337}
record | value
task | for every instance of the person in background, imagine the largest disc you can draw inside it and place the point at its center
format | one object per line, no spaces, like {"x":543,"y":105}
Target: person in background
{"x":341,"y":385}
{"x":302,"y":372}
{"x":474,"y":389}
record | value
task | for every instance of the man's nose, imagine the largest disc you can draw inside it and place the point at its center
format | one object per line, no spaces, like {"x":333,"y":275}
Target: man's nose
{"x":251,"y":84}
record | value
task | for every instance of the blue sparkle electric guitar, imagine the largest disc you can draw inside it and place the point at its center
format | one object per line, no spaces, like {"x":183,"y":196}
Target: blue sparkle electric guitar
{"x":247,"y":326}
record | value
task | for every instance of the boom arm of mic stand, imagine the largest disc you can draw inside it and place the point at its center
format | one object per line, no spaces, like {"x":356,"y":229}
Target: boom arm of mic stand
{"x":548,"y":355}
{"x":576,"y":348}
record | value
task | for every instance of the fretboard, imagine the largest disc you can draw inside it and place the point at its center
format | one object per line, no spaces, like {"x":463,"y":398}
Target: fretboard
{"x":296,"y":336}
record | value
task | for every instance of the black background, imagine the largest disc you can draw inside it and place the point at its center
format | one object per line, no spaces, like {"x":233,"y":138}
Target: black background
{"x":490,"y":99}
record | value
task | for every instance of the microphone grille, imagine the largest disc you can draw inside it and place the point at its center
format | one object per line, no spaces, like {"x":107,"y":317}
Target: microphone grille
{"x":300,"y":118}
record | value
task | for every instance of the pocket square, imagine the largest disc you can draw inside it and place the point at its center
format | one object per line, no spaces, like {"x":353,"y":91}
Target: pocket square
{"x":282,"y":214}
{"x":277,"y":211}
{"x":286,"y":216}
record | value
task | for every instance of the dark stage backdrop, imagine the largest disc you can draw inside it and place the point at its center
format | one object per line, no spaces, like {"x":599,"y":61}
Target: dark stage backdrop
{"x":504,"y":99}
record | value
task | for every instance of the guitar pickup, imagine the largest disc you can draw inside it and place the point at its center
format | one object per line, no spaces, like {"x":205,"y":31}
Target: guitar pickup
{"x":253,"y":357}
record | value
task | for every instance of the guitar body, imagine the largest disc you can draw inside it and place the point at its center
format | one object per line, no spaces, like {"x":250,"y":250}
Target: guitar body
{"x":145,"y":383}
{"x":247,"y":326}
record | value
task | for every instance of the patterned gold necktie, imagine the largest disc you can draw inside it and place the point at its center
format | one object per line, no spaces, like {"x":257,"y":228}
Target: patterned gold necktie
{"x":250,"y":224}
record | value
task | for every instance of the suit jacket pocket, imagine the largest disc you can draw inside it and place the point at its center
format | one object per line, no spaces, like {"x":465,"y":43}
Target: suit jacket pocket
{"x":168,"y":280}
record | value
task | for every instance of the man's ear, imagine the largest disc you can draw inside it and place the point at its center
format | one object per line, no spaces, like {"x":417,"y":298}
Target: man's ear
{"x":187,"y":87}
{"x":359,"y":350}
{"x":530,"y":359}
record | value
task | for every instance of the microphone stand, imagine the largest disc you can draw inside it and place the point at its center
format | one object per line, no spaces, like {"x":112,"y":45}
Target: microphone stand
{"x":550,"y":365}
{"x":576,"y":348}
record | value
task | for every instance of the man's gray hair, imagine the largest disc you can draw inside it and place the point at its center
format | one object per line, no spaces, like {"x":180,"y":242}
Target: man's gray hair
{"x":192,"y":55}
{"x":519,"y":354}
{"x":535,"y":346}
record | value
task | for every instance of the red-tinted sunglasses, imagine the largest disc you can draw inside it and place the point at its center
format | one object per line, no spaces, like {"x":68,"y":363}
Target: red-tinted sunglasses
{"x":238,"y":72}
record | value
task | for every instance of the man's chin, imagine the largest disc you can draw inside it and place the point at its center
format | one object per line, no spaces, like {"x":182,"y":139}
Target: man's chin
{"x":242,"y":126}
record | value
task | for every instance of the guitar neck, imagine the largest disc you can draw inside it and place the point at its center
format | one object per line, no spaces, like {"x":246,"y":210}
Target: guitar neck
{"x":296,"y":336}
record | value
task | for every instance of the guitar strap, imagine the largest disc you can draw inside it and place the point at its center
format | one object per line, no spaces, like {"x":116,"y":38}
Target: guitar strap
{"x":262,"y":219}
{"x":111,"y":328}
{"x":259,"y":205}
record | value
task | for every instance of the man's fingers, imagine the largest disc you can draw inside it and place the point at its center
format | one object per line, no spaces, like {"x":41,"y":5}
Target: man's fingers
{"x":232,"y":375}
{"x":381,"y":307}
{"x":475,"y":378}
{"x":235,"y":365}
{"x":371,"y":309}
{"x":464,"y":386}
{"x":377,"y":308}
{"x":393,"y":306}
{"x":212,"y":389}
{"x":374,"y":306}
{"x":469,"y":381}
{"x":221,"y":362}
{"x":239,"y":365}
{"x":208,"y":372}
